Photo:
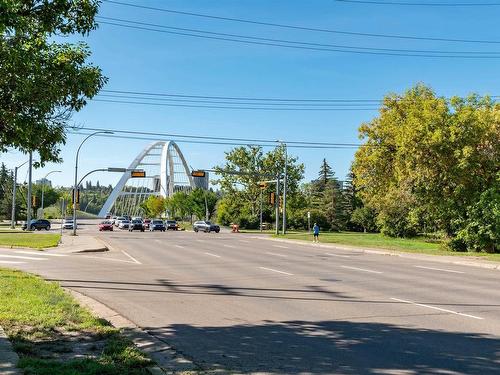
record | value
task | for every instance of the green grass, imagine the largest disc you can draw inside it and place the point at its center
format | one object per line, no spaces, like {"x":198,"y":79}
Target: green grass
{"x":44,"y":323}
{"x":378,"y":241}
{"x":12,"y":238}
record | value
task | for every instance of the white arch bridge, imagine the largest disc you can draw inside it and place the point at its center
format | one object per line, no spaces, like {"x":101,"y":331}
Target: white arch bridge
{"x":166,"y":173}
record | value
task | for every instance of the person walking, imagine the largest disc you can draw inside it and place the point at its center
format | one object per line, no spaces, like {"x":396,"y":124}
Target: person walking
{"x":315,"y":233}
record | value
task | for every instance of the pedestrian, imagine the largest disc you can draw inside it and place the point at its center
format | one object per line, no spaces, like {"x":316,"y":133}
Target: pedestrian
{"x":316,"y":233}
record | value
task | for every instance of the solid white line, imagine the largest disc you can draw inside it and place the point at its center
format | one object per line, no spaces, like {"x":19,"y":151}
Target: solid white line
{"x":109,"y":259}
{"x":231,"y":246}
{"x":20,"y":257}
{"x":41,"y":253}
{"x":245,"y":241}
{"x":273,"y":270}
{"x":179,"y":246}
{"x":438,"y":269}
{"x":338,"y":255}
{"x":10,"y":262}
{"x":360,"y":269}
{"x":131,"y":257}
{"x":277,"y":255}
{"x":436,"y":308}
{"x":280,"y":246}
{"x":213,"y":255}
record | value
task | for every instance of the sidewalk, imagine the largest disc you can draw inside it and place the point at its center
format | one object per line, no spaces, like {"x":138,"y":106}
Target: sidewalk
{"x":8,"y":357}
{"x":458,"y":260}
{"x":80,"y":244}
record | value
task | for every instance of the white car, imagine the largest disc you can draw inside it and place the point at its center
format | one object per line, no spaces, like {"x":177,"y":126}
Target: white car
{"x":68,"y":224}
{"x":118,"y":220}
{"x":124,"y":224}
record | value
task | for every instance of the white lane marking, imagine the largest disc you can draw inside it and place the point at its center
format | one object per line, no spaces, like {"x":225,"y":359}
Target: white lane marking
{"x":200,"y":241}
{"x":179,"y":246}
{"x":109,"y":259}
{"x":281,"y":246}
{"x":213,"y":255}
{"x":277,"y":255}
{"x":361,"y":269}
{"x":437,"y":308}
{"x":130,"y":256}
{"x":438,"y":269}
{"x":231,"y":246}
{"x":20,"y":257}
{"x":338,"y":255}
{"x":273,"y":270}
{"x":245,"y":241}
{"x":10,"y":262}
{"x":41,"y":253}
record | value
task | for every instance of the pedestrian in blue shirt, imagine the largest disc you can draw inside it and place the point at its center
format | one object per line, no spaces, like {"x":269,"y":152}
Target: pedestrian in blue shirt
{"x":316,"y":233}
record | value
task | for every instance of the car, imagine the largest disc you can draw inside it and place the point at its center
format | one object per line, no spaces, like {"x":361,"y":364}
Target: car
{"x":105,"y":225}
{"x":205,"y":226}
{"x":137,"y":218}
{"x":68,"y":224}
{"x":171,"y":224}
{"x":38,"y":224}
{"x":124,"y":224}
{"x":146,"y":223}
{"x":118,"y":220}
{"x":136,"y":225}
{"x":157,"y":225}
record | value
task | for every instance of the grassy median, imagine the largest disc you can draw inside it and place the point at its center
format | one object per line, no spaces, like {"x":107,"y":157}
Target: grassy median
{"x":420,"y":245}
{"x":28,"y":239}
{"x":54,"y":335}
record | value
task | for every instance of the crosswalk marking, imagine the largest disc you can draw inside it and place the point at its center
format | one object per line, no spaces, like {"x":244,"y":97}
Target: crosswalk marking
{"x":21,"y":257}
{"x":10,"y":262}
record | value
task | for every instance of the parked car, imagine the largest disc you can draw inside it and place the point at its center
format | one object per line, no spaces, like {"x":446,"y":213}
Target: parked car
{"x":38,"y":225}
{"x":157,"y":225}
{"x":136,"y":225}
{"x":118,"y":220}
{"x":205,"y":226}
{"x":171,"y":224}
{"x":68,"y":224}
{"x":124,"y":224}
{"x":146,"y":223}
{"x":106,"y":225}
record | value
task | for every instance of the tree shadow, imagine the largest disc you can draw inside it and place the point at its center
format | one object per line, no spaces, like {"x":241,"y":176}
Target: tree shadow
{"x":333,"y":347}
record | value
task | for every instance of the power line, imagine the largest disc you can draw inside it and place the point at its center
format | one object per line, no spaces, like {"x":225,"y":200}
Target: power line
{"x":278,"y":44}
{"x":373,"y":2}
{"x":294,"y":42}
{"x":304,"y":28}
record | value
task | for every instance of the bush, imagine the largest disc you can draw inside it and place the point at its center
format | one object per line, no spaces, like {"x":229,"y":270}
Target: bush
{"x":249,"y":222}
{"x":365,"y":218}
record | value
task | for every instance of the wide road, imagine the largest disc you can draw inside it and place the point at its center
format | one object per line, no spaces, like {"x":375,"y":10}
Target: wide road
{"x":244,"y":303}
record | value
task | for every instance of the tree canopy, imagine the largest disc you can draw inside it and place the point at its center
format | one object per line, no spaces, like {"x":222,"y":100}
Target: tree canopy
{"x":42,"y":82}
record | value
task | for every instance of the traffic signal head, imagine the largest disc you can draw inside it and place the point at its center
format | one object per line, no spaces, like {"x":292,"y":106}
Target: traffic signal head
{"x":272,"y":198}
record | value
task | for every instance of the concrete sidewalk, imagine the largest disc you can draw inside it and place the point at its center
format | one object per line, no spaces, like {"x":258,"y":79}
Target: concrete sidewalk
{"x":80,"y":244}
{"x":8,"y":357}
{"x":458,"y":260}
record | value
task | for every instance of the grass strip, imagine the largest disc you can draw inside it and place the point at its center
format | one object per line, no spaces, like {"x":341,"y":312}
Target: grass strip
{"x":52,"y":334}
{"x":419,"y":245}
{"x":28,"y":239}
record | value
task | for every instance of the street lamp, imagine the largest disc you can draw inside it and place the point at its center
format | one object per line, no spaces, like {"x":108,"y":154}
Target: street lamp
{"x":13,"y":216}
{"x":76,"y":175}
{"x":285,"y":183}
{"x":43,"y":186}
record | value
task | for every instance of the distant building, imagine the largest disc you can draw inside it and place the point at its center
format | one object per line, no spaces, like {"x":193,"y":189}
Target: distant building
{"x":201,"y":182}
{"x":44,"y":181}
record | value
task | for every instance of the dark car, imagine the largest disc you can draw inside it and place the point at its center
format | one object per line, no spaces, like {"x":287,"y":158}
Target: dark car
{"x":38,"y":224}
{"x":157,"y":225}
{"x":136,"y":225}
{"x":205,"y":226}
{"x":172,"y":224}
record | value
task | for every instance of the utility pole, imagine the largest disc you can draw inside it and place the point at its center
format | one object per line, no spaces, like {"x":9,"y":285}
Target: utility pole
{"x":28,"y":205}
{"x":277,"y":204}
{"x":261,"y":209}
{"x":285,"y":183}
{"x":14,"y":187}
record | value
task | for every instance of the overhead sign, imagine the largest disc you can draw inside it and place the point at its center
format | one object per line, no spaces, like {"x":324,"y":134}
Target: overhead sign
{"x":137,"y":173}
{"x":198,"y":173}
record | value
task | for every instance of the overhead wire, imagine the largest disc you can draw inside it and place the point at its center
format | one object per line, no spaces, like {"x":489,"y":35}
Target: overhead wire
{"x":419,"y":3}
{"x":304,"y":28}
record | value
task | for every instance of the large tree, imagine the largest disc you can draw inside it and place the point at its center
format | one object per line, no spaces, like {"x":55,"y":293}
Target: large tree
{"x":427,"y":160}
{"x":42,"y":82}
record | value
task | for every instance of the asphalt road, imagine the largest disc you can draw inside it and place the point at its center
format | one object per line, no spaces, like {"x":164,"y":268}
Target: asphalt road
{"x":246,"y":304}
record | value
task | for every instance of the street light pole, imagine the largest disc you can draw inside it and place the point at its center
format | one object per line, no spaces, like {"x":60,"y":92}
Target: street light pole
{"x":285,"y":183}
{"x":28,"y":205}
{"x":14,"y":189}
{"x":43,"y":186}
{"x":76,"y":175}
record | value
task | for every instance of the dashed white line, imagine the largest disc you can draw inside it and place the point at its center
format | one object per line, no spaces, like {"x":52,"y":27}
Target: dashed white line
{"x":179,"y":246}
{"x":437,"y":308}
{"x":277,"y":271}
{"x":130,"y":256}
{"x":438,"y":269}
{"x":245,"y":241}
{"x":360,"y":269}
{"x":41,"y":253}
{"x":10,"y":262}
{"x":213,"y":255}
{"x":277,"y":255}
{"x":281,"y":246}
{"x":230,"y":246}
{"x":21,"y":257}
{"x":338,"y":255}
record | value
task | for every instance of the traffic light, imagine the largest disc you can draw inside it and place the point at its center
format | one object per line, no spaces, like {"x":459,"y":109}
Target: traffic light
{"x":272,"y":198}
{"x":33,"y":200}
{"x":77,"y":196}
{"x":198,"y":173}
{"x":137,"y":173}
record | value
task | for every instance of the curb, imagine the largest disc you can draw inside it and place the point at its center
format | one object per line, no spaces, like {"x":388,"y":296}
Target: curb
{"x":428,"y":257}
{"x":167,"y":359}
{"x":8,"y":357}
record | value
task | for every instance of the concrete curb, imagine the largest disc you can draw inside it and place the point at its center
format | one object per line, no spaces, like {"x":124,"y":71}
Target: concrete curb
{"x":431,"y":258}
{"x":167,"y":359}
{"x":8,"y":357}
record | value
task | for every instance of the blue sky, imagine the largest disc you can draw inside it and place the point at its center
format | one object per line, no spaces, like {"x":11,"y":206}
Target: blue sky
{"x":136,"y":60}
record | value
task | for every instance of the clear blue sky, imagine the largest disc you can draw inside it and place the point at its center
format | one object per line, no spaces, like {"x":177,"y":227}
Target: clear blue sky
{"x":155,"y":62}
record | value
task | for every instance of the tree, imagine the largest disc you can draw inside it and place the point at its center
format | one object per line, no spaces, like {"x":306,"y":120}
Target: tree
{"x":325,"y":175}
{"x":43,"y":82}
{"x":154,"y":206}
{"x":427,"y":159}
